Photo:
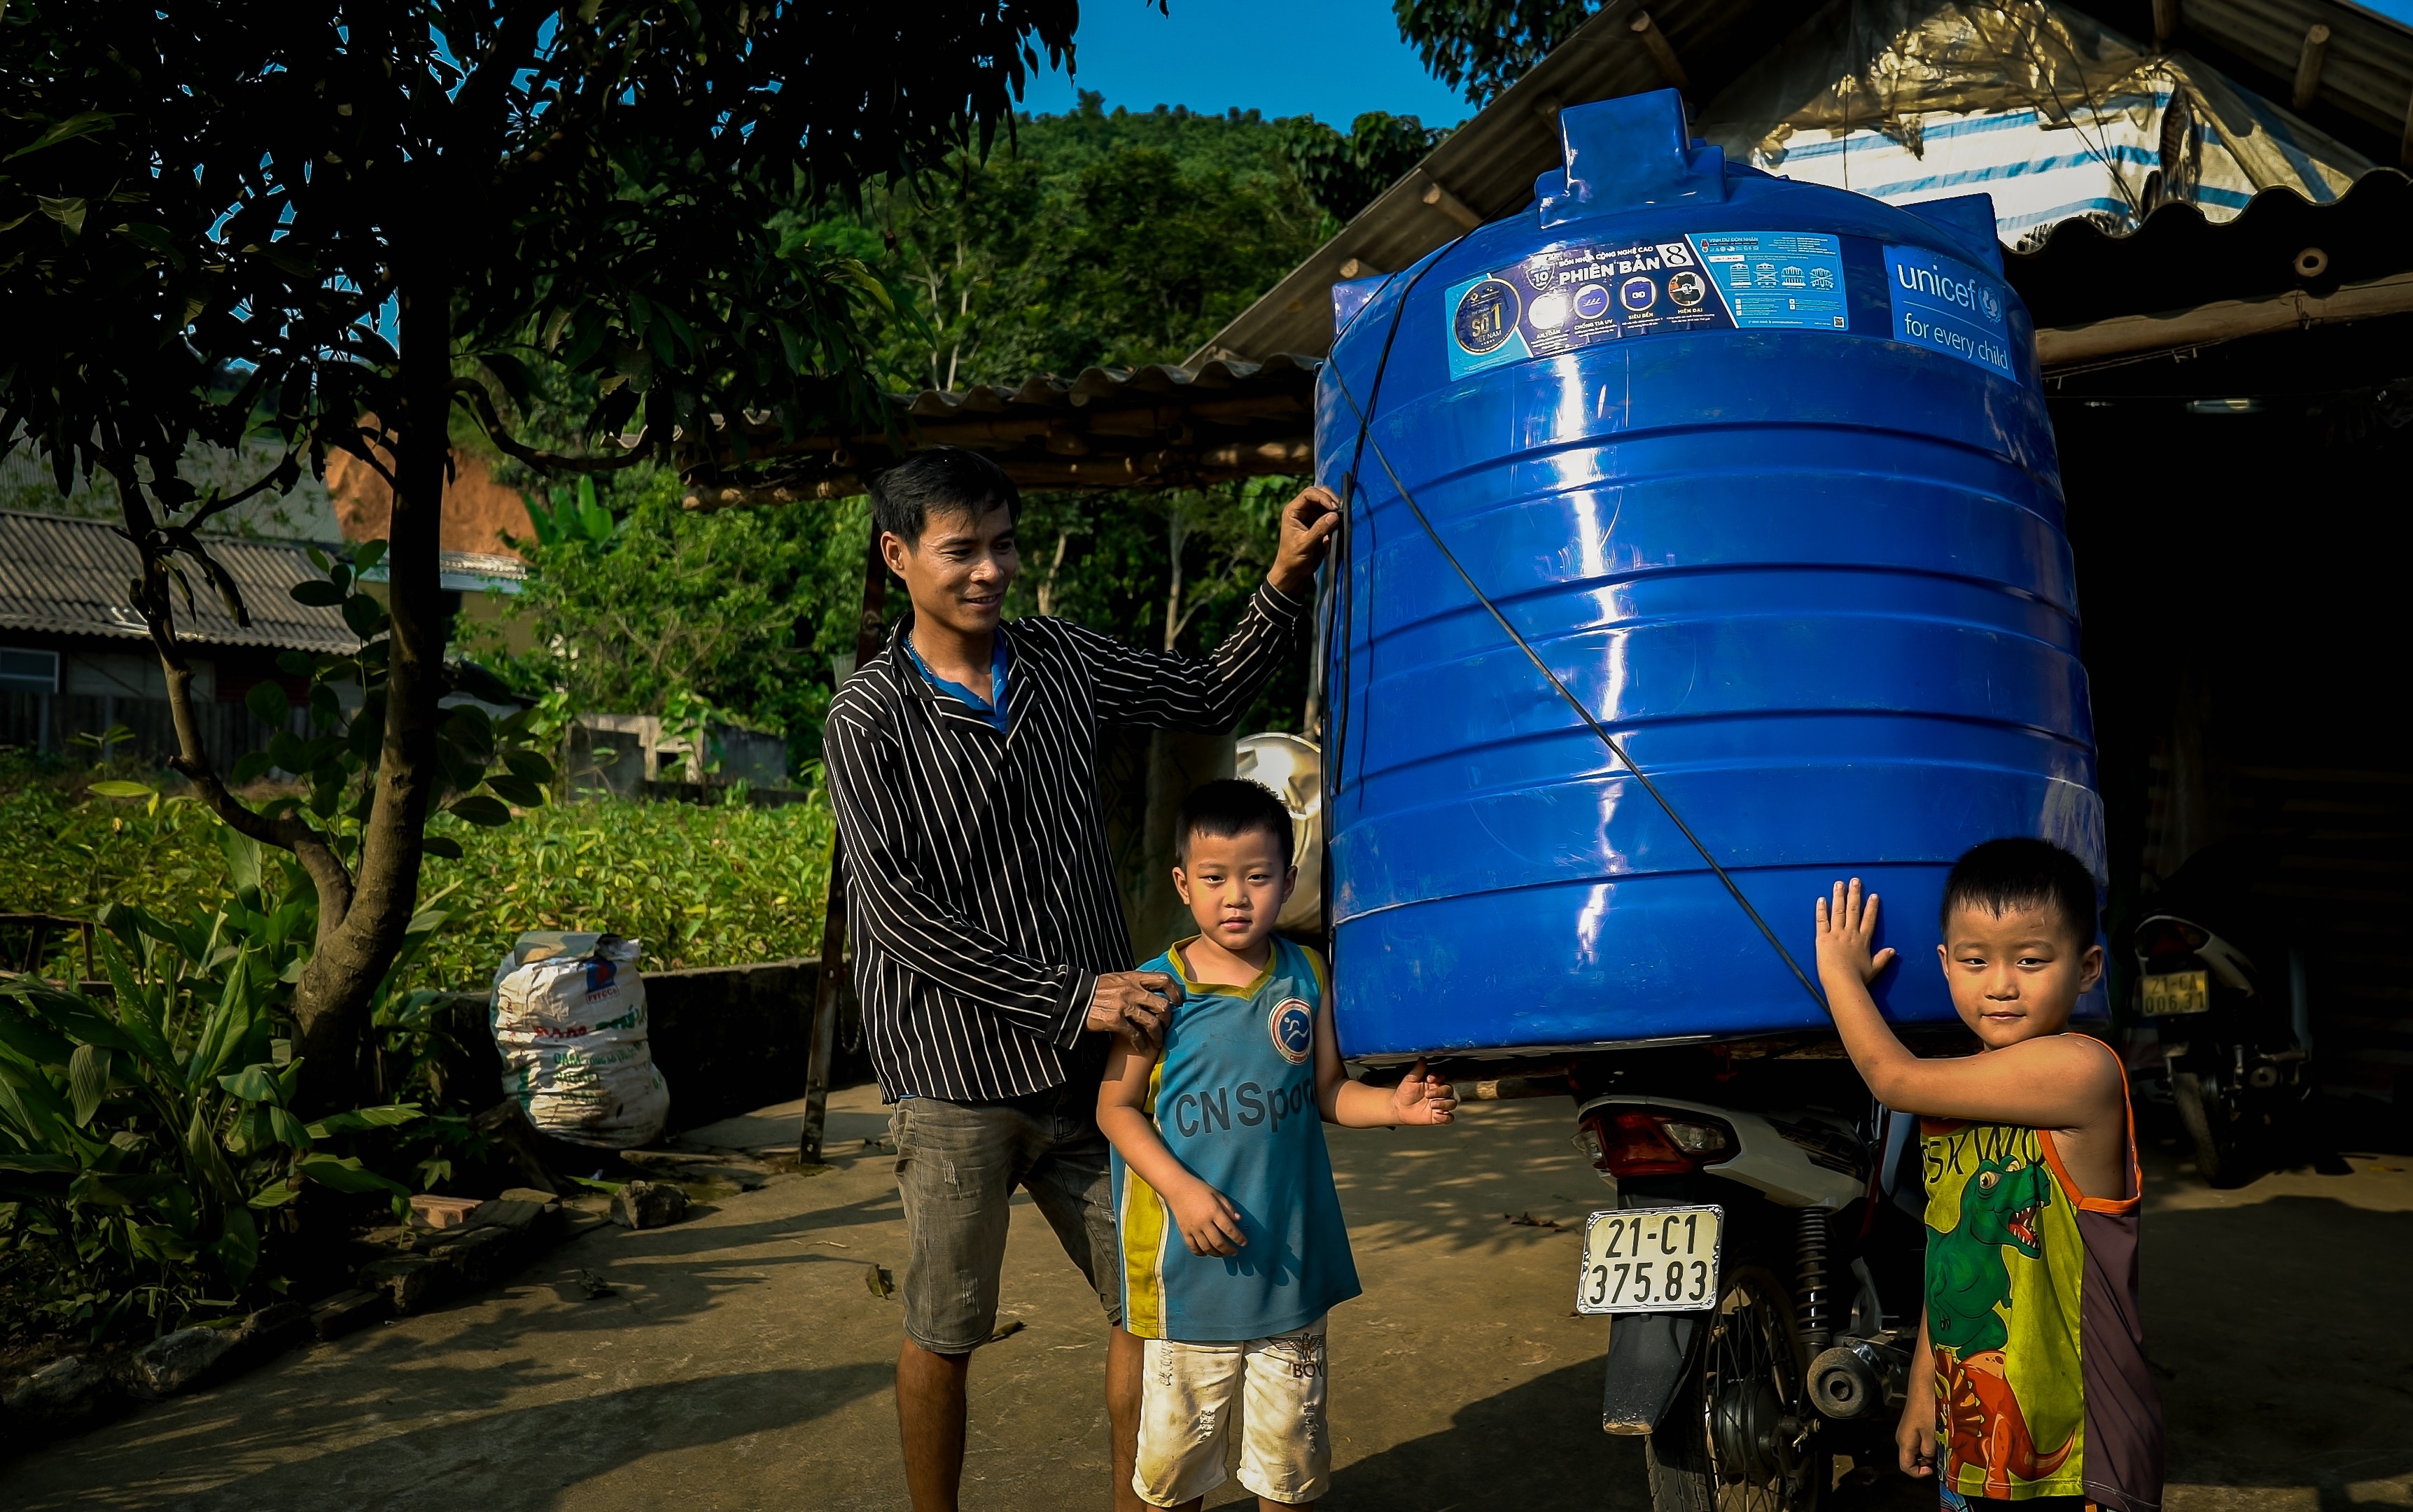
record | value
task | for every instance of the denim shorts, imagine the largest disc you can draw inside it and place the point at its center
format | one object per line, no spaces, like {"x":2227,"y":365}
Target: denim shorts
{"x":957,"y":1164}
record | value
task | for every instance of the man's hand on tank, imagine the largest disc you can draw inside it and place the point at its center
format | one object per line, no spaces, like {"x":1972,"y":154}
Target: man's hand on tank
{"x":1209,"y":1224}
{"x":1134,"y":1005}
{"x":1306,"y":525}
{"x":1421,"y":1098}
{"x":1848,"y":926}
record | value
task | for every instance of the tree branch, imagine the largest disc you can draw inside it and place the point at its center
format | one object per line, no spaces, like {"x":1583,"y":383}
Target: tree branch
{"x":481,"y":405}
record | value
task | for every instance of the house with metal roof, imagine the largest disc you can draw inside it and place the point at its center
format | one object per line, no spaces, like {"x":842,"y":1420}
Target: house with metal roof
{"x":76,"y":659}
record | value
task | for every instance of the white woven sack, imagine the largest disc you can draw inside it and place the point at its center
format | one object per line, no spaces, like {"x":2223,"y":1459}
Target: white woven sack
{"x":570,"y":1025}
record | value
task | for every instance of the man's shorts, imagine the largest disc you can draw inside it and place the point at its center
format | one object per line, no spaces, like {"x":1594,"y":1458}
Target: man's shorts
{"x":957,"y":1164}
{"x":1185,"y":1416}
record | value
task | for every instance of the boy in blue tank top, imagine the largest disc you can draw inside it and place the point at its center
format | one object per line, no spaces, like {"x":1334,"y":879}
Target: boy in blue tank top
{"x":1234,"y":1247}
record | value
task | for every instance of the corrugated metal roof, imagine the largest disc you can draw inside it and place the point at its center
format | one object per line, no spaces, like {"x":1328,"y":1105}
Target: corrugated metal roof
{"x":68,"y":576}
{"x":1487,"y":165}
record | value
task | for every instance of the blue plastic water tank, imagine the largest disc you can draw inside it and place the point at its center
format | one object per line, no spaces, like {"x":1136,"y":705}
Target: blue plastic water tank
{"x":1763,"y":470}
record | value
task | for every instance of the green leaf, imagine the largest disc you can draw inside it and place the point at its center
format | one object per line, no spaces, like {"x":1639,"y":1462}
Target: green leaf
{"x":120,"y":1189}
{"x":388,"y":1115}
{"x":88,"y":1081}
{"x":276,"y":1196}
{"x":209,"y":1161}
{"x":365,"y":557}
{"x":528,"y":764}
{"x":364,"y":614}
{"x":296,"y":663}
{"x":439,"y":845}
{"x":516,"y":790}
{"x":317,"y":593}
{"x":268,"y":705}
{"x":238,"y":1246}
{"x":345,"y":1175}
{"x":122,"y":789}
{"x":288,"y":1129}
{"x":482,"y":810}
{"x":253,"y":1084}
{"x":242,"y":853}
{"x":81,"y":123}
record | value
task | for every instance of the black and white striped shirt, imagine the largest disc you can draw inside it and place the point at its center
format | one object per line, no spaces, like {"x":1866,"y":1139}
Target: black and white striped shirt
{"x":978,"y":883}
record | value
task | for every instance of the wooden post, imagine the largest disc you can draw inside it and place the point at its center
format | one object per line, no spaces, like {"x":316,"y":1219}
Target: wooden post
{"x":1450,"y":205}
{"x":1655,"y":42}
{"x":821,"y":1030}
{"x":2308,"y":67}
{"x":2166,"y":23}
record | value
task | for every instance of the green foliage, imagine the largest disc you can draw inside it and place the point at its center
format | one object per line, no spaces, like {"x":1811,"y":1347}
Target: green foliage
{"x":741,"y":609}
{"x":147,"y":1136}
{"x":198,"y":188}
{"x":1484,"y":46}
{"x":715,"y":886}
{"x":701,"y":886}
{"x":1344,"y":174}
{"x":484,"y":766}
{"x":1101,"y":238}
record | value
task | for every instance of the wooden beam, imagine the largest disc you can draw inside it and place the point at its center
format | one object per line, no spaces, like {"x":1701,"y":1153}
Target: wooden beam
{"x":2308,"y":67}
{"x":2166,"y":21}
{"x":1662,"y":53}
{"x":2061,"y":348}
{"x":1450,"y":205}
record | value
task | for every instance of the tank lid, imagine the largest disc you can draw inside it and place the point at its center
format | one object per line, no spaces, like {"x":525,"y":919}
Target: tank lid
{"x":1625,"y":153}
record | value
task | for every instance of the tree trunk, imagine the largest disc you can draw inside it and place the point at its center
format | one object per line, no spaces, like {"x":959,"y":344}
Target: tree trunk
{"x":330,"y":1007}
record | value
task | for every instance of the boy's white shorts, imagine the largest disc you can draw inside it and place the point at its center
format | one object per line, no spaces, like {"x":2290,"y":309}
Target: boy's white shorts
{"x":1185,"y":1417}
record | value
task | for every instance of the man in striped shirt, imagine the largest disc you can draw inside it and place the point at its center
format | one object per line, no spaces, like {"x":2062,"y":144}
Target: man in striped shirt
{"x":991,"y":955}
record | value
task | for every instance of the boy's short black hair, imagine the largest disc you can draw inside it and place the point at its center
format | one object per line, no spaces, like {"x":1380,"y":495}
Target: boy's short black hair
{"x":940,"y":479}
{"x":2018,"y":872}
{"x":1228,"y":806}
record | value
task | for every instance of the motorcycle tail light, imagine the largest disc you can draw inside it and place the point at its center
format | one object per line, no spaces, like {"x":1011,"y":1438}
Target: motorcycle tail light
{"x":2168,"y":936}
{"x":1630,"y":1142}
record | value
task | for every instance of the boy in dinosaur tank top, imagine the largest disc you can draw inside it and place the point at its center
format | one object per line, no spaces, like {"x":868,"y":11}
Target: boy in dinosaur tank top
{"x":1234,"y":1247}
{"x":2038,"y":1390}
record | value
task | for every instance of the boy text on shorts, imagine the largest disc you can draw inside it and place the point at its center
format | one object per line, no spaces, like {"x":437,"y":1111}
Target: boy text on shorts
{"x":1233,"y":1247}
{"x":2036,"y":1389}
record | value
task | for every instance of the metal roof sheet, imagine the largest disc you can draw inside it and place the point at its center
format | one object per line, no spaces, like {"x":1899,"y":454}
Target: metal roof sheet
{"x":1487,"y":165}
{"x":68,"y":576}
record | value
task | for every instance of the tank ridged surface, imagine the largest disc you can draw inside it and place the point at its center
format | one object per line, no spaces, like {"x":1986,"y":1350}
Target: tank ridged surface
{"x":1764,"y":472}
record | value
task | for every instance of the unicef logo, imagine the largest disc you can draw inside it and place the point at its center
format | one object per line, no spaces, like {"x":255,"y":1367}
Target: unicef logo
{"x":1291,"y":1024}
{"x":1988,"y":303}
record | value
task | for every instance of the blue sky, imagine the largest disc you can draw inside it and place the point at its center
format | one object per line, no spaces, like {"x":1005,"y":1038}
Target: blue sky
{"x":1330,"y":59}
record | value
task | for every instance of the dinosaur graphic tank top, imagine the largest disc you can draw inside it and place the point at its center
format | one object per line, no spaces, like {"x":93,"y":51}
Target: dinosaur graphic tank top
{"x":2040,"y":1360}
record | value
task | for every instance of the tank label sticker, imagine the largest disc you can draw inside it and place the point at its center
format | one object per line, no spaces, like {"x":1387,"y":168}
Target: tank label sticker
{"x":1951,"y":306}
{"x":1574,"y":297}
{"x":1784,"y":280}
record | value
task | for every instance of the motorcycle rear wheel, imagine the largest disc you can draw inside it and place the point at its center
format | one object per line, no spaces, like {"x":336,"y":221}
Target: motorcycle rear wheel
{"x":2210,"y":1128}
{"x":1739,"y":1436}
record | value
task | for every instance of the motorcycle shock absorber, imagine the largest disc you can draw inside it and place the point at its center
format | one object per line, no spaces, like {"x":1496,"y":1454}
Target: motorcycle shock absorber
{"x":1809,"y":1278}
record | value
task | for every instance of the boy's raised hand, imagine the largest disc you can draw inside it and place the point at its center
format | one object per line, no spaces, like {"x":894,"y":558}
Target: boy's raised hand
{"x":1209,"y":1224}
{"x":1846,"y":928}
{"x":1423,"y":1098}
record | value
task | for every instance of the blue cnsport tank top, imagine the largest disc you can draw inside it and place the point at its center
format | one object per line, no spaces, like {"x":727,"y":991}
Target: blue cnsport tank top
{"x":1234,"y":1095}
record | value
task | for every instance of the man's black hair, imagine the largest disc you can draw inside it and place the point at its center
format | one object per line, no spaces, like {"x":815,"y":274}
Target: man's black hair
{"x":940,"y":479}
{"x":1228,"y":806}
{"x":2021,"y":873}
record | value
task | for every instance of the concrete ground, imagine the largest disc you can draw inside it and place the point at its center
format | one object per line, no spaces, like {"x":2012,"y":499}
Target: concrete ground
{"x":743,"y":1358}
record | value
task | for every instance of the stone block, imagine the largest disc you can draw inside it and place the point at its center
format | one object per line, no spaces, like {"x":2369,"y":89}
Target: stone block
{"x":67,"y":1394}
{"x":528,"y":1194}
{"x":348,"y":1311}
{"x":518,"y":1216}
{"x":481,"y":1256}
{"x":648,"y":1205}
{"x":178,"y":1361}
{"x":407,"y":1281}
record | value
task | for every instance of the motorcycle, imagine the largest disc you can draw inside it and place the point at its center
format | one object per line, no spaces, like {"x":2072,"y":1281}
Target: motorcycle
{"x":2233,"y":1020}
{"x":1764,"y":1262}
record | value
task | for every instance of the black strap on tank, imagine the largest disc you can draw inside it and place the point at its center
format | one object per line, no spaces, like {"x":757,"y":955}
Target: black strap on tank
{"x":1365,"y":438}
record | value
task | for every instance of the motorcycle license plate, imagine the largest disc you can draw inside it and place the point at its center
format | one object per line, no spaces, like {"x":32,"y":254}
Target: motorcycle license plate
{"x":2177,"y":992}
{"x":1651,"y":1260}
